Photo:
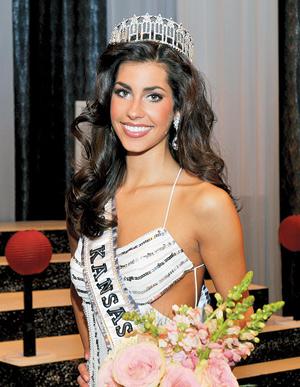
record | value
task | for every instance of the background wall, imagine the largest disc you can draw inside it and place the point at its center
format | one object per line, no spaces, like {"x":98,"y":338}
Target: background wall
{"x":7,"y":142}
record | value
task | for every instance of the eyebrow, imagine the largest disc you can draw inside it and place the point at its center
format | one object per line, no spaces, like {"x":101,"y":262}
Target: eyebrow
{"x":150,"y":88}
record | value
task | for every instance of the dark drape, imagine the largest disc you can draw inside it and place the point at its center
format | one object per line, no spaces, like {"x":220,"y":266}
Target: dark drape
{"x":289,"y":67}
{"x":56,"y":45}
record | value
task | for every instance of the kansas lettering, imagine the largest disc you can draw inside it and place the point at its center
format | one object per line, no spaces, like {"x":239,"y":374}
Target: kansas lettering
{"x":109,"y":298}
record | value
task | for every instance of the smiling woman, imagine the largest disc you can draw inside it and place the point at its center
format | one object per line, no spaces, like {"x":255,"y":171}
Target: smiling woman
{"x":142,"y":107}
{"x":149,"y":209}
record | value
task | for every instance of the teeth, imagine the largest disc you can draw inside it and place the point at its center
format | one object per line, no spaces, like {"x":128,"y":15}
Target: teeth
{"x":137,"y":129}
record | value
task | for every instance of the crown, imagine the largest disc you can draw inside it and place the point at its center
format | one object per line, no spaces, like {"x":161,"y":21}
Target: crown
{"x":156,"y":29}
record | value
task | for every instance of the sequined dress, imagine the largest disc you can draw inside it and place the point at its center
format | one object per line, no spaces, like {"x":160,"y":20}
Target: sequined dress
{"x":146,"y":267}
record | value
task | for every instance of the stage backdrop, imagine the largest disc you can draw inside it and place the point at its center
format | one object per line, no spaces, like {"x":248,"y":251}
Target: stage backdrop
{"x":56,"y":45}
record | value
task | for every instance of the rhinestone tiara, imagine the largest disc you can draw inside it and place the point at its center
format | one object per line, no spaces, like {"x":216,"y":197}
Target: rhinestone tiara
{"x":156,"y":29}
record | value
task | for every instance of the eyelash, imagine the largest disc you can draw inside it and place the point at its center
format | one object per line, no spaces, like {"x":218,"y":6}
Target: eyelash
{"x":157,"y":96}
{"x":120,"y":93}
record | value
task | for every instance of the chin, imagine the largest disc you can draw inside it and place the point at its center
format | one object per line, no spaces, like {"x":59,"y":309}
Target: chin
{"x":136,"y":149}
{"x":140,"y":147}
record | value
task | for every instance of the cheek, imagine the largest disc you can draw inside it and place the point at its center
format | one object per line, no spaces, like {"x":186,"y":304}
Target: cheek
{"x":117,"y":108}
{"x":113,"y":109}
{"x":164,"y":115}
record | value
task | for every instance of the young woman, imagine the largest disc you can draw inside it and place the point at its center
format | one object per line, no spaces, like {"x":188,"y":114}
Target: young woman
{"x":149,"y":209}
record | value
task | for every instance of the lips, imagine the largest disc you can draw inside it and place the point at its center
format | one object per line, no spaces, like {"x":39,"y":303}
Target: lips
{"x":136,"y":130}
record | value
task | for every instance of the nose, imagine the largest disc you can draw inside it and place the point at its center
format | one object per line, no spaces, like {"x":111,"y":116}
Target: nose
{"x":135,"y":109}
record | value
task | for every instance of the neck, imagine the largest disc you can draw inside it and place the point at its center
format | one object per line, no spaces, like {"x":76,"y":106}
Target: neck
{"x":149,"y":168}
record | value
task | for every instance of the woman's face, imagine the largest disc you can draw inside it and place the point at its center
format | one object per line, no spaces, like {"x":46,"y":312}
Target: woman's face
{"x":141,"y":105}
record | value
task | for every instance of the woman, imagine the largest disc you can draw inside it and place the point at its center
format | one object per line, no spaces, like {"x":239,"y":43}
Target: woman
{"x":149,"y":207}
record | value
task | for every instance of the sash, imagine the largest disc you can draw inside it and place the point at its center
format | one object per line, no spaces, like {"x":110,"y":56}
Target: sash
{"x":109,"y":298}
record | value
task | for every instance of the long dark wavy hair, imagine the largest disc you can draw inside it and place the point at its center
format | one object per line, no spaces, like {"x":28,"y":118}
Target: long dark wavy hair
{"x":104,"y":164}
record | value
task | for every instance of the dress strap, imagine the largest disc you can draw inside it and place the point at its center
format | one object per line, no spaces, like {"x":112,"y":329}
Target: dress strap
{"x":170,"y":198}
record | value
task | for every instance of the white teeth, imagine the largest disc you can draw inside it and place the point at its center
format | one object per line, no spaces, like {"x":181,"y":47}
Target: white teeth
{"x":137,"y":129}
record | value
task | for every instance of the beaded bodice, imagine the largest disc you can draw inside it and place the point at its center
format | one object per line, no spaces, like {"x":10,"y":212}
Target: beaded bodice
{"x":151,"y":264}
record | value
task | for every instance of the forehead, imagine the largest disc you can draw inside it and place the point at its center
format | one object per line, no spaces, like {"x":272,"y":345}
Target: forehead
{"x":144,"y":73}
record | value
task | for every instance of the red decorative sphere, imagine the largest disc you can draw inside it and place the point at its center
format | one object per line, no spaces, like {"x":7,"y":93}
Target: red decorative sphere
{"x":28,"y":252}
{"x":289,"y":233}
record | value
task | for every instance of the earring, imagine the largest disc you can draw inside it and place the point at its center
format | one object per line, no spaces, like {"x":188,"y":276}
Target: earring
{"x":176,"y":126}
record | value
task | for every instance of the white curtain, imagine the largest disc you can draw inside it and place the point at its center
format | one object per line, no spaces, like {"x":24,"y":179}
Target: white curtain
{"x":236,"y":48}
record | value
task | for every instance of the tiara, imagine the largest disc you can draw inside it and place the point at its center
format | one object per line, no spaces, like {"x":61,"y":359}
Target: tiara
{"x":156,"y":29}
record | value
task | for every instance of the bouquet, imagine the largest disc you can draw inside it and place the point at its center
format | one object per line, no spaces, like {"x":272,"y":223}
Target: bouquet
{"x":196,"y":348}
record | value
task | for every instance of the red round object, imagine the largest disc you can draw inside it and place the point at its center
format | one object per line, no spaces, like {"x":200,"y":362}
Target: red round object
{"x":289,"y":233}
{"x":28,"y":252}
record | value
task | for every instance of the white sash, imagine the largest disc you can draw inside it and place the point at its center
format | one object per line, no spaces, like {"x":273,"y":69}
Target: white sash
{"x":101,"y":274}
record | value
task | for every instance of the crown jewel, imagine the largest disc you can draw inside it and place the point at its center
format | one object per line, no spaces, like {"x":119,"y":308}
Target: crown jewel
{"x":153,"y":28}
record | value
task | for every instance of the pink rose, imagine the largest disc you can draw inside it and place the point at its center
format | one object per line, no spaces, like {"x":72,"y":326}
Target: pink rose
{"x":215,"y":372}
{"x":105,"y":377}
{"x":178,"y":376}
{"x":139,"y":365}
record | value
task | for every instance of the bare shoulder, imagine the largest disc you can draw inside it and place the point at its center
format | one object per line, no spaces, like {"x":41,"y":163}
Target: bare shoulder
{"x":211,"y":200}
{"x":211,"y":210}
{"x":206,"y":199}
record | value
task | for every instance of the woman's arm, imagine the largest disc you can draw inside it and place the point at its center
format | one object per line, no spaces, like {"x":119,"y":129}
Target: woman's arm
{"x":220,"y":239}
{"x":80,"y":321}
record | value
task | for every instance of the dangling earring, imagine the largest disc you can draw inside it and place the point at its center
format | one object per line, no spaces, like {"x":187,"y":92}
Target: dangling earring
{"x":176,"y":126}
